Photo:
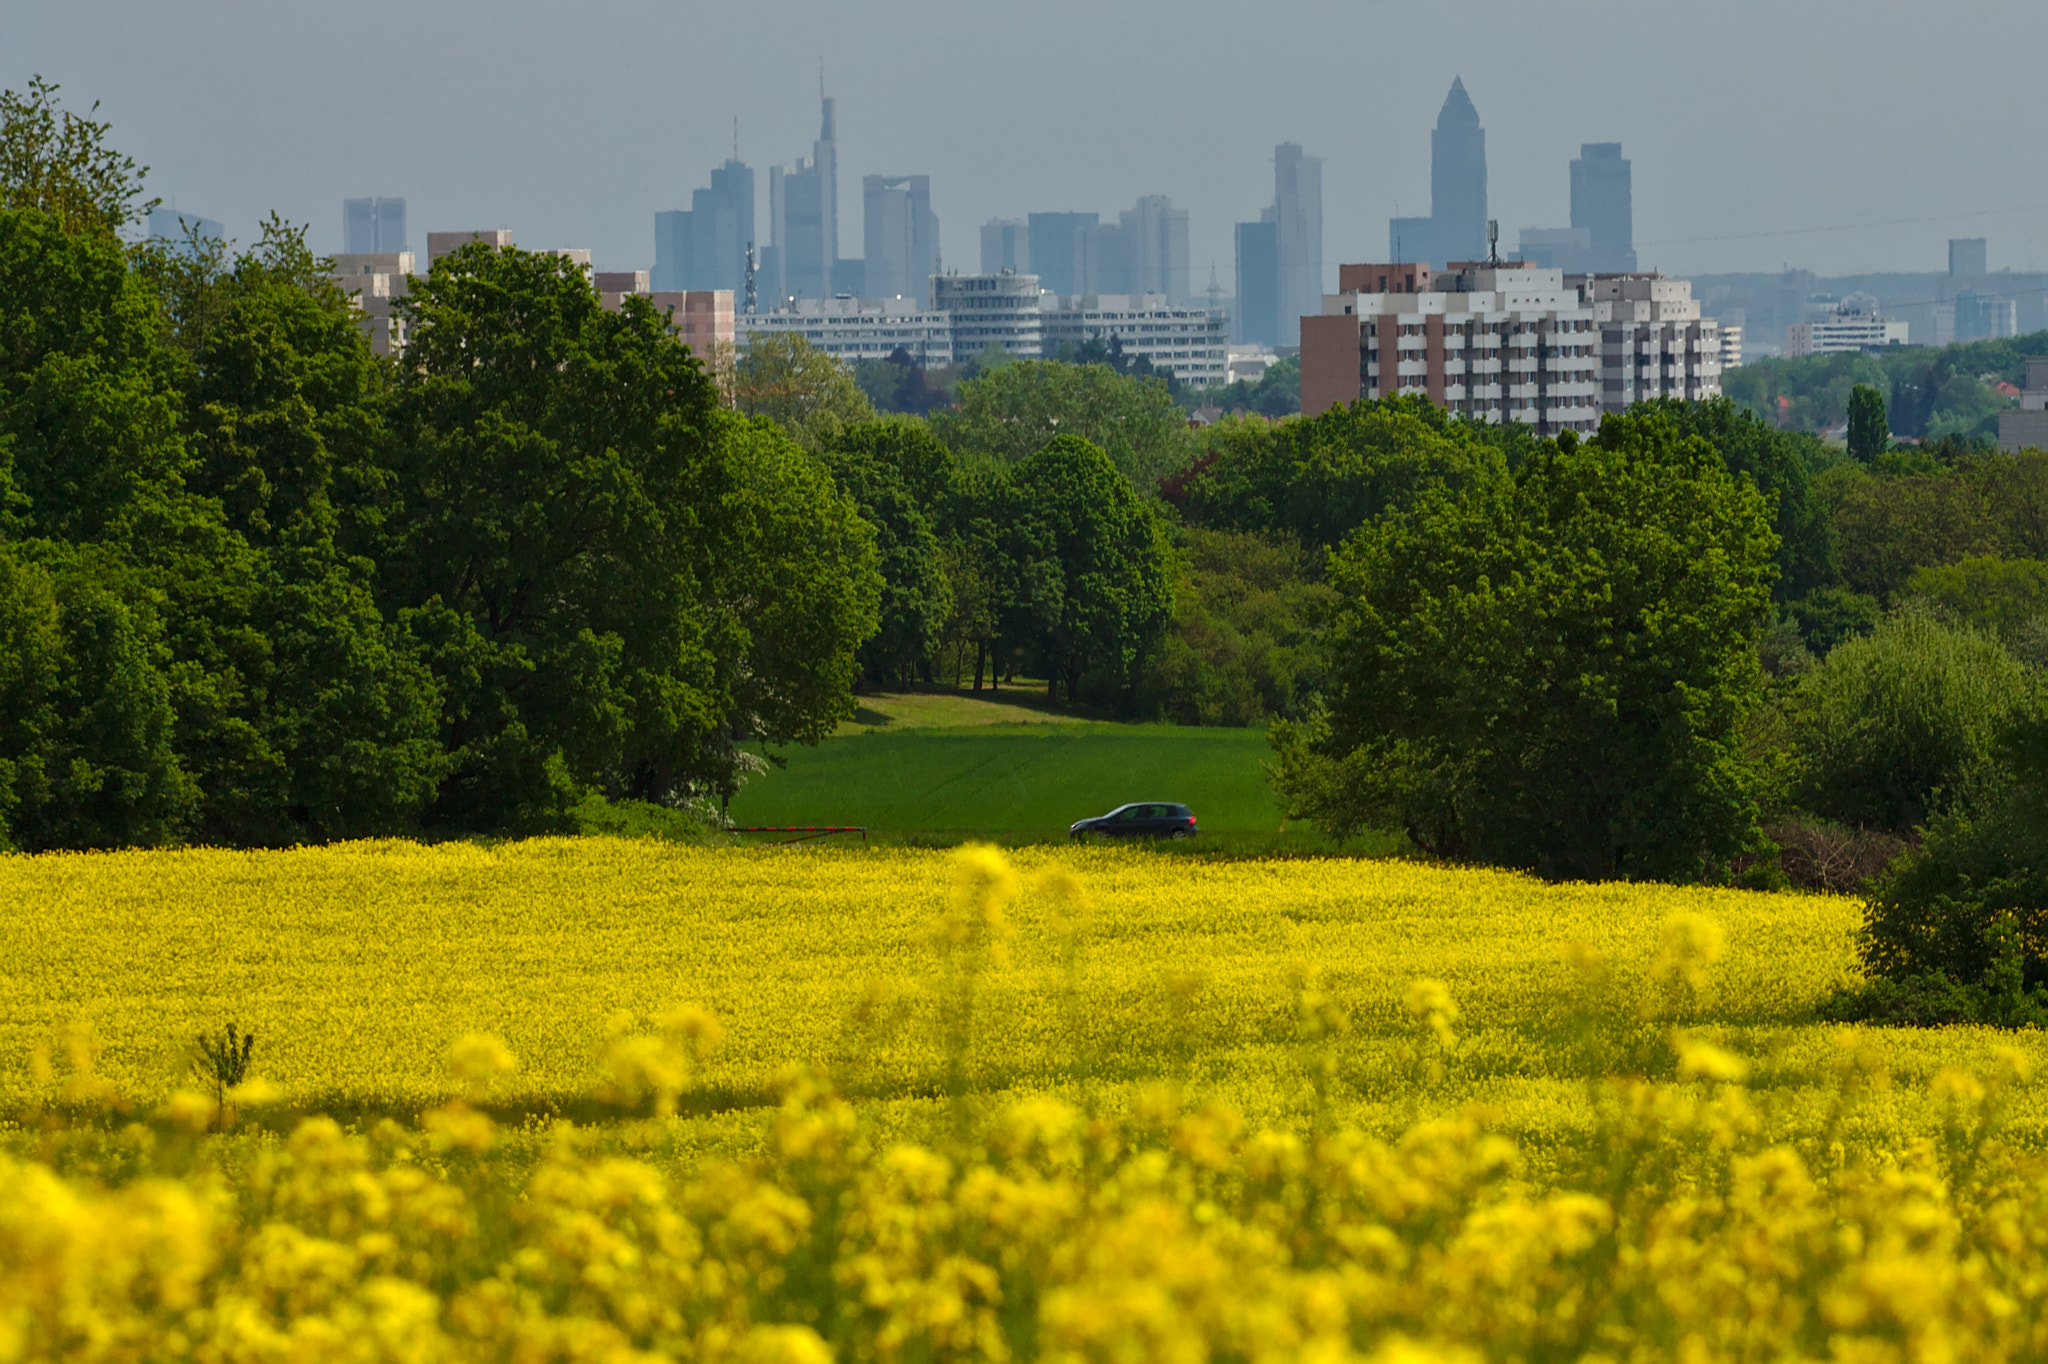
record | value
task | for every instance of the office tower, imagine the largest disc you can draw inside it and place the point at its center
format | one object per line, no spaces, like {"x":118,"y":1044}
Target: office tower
{"x":1258,"y":283}
{"x":1455,"y":229}
{"x":675,"y":252}
{"x":372,"y":227}
{"x":1966,"y":256}
{"x":1298,"y":226}
{"x":1602,"y":206}
{"x":803,"y":211}
{"x":705,"y":246}
{"x":1457,"y":177}
{"x":900,"y":236}
{"x":167,"y":224}
{"x":1155,"y":242}
{"x":1060,"y":249}
{"x":1005,"y":245}
{"x":1105,"y":263}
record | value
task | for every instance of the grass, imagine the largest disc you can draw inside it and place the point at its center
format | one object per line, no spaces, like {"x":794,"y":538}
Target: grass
{"x":941,"y":769}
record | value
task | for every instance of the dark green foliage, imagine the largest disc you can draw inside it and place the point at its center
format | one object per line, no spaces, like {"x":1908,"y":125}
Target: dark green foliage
{"x":87,"y":758}
{"x":1892,"y":723}
{"x":1869,"y":436}
{"x":1273,"y":395}
{"x":1998,"y":596}
{"x":1317,"y":479}
{"x":1240,"y":647}
{"x":1551,"y":669}
{"x":603,"y":566}
{"x":1827,"y":616}
{"x":1929,"y":394}
{"x":1782,"y":464}
{"x":1957,"y":930}
{"x":898,"y":474}
{"x":899,"y":384}
{"x":1010,"y":411}
{"x":1103,"y":586}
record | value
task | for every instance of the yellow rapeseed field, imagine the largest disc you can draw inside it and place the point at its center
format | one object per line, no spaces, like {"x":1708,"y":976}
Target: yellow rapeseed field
{"x":612,"y":1100}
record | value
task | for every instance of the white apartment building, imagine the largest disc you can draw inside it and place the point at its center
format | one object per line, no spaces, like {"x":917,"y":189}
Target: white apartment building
{"x":376,"y":280}
{"x":1192,"y":344}
{"x":1508,"y":341}
{"x":1496,"y":342}
{"x":1731,"y":346}
{"x":1001,"y":309}
{"x":850,"y":329}
{"x":1842,"y":330}
{"x":1653,"y":341}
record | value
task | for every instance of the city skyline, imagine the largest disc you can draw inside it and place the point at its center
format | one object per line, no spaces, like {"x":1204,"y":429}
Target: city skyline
{"x":359,"y":116}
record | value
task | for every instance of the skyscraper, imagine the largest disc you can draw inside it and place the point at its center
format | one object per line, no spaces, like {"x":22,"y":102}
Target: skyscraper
{"x":1456,"y":226}
{"x":705,"y":246}
{"x":1603,"y":206}
{"x":1966,"y":256}
{"x":1298,"y":228}
{"x":372,"y":227}
{"x":1457,"y":177}
{"x":1005,"y":245}
{"x":900,"y":234}
{"x":1258,"y":283}
{"x":1060,"y":249}
{"x":1155,"y":244}
{"x":168,"y":224}
{"x":803,"y":213}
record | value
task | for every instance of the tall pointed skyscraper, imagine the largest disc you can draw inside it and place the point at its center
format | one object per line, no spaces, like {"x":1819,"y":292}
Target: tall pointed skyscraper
{"x":1456,"y":226}
{"x":1457,"y":177}
{"x":803,"y":216}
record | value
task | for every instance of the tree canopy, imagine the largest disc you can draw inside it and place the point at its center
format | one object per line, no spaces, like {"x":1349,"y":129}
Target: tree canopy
{"x":1550,"y":669}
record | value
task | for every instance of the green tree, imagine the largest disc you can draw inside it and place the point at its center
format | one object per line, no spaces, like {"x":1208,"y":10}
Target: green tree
{"x":1869,"y":437}
{"x":58,"y":163}
{"x":304,"y":711}
{"x":1781,"y":463}
{"x":1997,"y":596}
{"x":1319,"y":478}
{"x":87,"y":758}
{"x":1113,"y":593}
{"x":551,"y":472}
{"x":1011,"y":411}
{"x":898,"y":473}
{"x":1551,"y":669}
{"x":1913,"y":712}
{"x":800,"y":388}
{"x":1240,"y":648}
{"x":794,"y":578}
{"x":617,"y":584}
{"x":1888,"y":525}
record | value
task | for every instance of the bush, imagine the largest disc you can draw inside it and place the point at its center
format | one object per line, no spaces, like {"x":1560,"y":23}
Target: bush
{"x":1909,"y":715}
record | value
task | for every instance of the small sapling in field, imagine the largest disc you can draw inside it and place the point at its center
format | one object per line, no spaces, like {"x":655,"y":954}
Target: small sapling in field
{"x":224,"y":1058}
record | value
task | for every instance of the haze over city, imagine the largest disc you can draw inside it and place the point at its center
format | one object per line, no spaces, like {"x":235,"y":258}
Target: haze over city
{"x":1748,"y":125}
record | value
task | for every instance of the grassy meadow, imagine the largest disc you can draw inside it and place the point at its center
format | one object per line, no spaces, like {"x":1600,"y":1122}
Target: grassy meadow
{"x":944,"y":766}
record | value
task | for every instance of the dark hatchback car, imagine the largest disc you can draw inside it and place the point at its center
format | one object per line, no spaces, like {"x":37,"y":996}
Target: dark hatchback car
{"x":1145,"y":819}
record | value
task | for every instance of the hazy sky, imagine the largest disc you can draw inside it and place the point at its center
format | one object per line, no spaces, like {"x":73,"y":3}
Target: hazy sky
{"x":1749,"y":122}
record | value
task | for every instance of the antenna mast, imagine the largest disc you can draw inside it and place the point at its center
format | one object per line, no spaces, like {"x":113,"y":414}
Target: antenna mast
{"x":750,"y":279}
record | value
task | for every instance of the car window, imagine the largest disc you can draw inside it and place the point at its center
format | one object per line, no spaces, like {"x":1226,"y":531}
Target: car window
{"x":1131,"y":812}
